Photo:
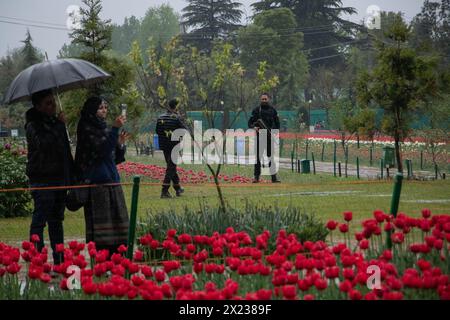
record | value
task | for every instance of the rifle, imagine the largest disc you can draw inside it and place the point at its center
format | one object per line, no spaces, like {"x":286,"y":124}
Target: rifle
{"x":263,"y":125}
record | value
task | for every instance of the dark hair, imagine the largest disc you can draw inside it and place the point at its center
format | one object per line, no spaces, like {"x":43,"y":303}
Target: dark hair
{"x":173,"y":103}
{"x":37,"y":97}
{"x":265,"y":94}
{"x":91,"y":105}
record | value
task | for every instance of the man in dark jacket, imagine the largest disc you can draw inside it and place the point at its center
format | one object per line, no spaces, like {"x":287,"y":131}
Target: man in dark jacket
{"x":264,"y":117}
{"x":167,"y":123}
{"x":50,"y":164}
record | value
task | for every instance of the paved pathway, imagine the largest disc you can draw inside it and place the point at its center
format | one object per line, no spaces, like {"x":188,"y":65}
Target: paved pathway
{"x":327,"y":167}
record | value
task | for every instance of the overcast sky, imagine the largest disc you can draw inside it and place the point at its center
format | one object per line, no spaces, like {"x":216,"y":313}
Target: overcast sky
{"x":53,"y":13}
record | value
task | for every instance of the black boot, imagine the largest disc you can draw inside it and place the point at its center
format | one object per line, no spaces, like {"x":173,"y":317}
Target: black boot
{"x":256,"y":180}
{"x":179,"y":191}
{"x":165,"y":194}
{"x":275,"y":179}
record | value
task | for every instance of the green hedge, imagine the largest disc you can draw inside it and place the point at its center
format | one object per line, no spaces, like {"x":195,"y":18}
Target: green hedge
{"x":12,"y":176}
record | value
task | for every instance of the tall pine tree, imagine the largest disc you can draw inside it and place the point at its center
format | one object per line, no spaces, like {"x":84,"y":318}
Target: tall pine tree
{"x":94,"y":33}
{"x":210,"y":20}
{"x":30,"y":54}
{"x":321,"y":23}
{"x":93,"y":38}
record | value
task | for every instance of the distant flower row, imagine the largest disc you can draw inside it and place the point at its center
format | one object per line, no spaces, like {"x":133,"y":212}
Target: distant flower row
{"x":186,"y":176}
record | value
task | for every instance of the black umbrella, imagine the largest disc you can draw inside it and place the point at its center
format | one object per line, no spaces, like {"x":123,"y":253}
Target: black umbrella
{"x":60,"y":75}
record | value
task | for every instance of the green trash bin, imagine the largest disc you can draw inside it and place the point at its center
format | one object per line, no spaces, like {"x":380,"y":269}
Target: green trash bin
{"x":389,"y":156}
{"x":306,"y":166}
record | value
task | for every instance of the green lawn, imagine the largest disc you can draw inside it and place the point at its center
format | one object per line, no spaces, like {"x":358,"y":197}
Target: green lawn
{"x":323,"y":195}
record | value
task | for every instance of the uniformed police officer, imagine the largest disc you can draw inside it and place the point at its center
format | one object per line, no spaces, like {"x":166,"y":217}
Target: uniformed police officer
{"x":264,"y":116}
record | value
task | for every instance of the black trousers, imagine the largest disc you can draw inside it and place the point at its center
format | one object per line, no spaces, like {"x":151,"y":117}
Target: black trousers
{"x":260,"y":152}
{"x":49,"y":206}
{"x":171,"y":172}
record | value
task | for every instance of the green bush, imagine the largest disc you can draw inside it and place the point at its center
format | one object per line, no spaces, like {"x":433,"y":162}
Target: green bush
{"x":253,"y":219}
{"x":12,"y":176}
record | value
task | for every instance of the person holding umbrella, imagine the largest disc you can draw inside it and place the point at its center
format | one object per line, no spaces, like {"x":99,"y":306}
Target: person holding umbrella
{"x":99,"y":150}
{"x":50,"y":164}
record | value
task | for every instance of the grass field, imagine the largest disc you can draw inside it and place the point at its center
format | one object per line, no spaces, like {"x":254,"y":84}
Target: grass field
{"x":323,"y":195}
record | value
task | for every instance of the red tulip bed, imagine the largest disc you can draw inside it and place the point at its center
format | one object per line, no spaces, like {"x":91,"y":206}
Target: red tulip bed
{"x":234,"y":266}
{"x":155,"y":172}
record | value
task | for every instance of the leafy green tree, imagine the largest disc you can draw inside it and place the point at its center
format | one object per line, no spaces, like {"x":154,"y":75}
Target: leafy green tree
{"x":265,"y":41}
{"x":123,"y":35}
{"x":158,"y":27}
{"x":13,"y":116}
{"x":10,"y":66}
{"x":71,"y":50}
{"x":399,"y":82}
{"x":431,"y":29}
{"x":159,"y":75}
{"x":210,"y":20}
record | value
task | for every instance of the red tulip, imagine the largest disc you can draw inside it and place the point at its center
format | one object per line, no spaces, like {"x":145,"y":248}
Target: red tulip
{"x":355,"y":294}
{"x":348,"y":216}
{"x":426,"y":213}
{"x":345,"y":286}
{"x":364,"y":244}
{"x":320,"y":284}
{"x":160,"y":275}
{"x":138,"y":255}
{"x":387,"y":255}
{"x":303,"y":285}
{"x":146,"y":271}
{"x":264,"y":294}
{"x":379,"y":216}
{"x":289,"y":292}
{"x":171,"y":233}
{"x":397,"y":237}
{"x":343,"y":228}
{"x":331,"y":225}
{"x":388,"y":226}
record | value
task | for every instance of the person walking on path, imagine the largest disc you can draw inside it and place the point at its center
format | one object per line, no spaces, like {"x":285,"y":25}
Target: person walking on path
{"x":50,"y":164}
{"x":166,"y":124}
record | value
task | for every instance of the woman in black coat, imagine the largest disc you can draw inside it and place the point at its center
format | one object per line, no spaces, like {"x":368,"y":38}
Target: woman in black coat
{"x":99,"y":150}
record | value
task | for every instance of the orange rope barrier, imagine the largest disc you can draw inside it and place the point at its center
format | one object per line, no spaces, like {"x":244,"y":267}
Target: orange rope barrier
{"x":232,"y":185}
{"x":63,"y":187}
